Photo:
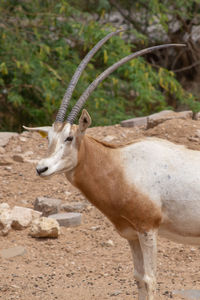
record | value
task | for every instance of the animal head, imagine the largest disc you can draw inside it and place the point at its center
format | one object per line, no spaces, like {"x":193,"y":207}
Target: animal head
{"x":64,"y":137}
{"x":64,"y":140}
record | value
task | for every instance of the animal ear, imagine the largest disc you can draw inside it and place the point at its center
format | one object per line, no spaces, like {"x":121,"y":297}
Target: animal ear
{"x":84,"y":121}
{"x":43,"y":131}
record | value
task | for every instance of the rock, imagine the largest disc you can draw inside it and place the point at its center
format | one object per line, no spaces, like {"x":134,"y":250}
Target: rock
{"x":5,"y":137}
{"x":95,"y":228}
{"x":45,"y":227}
{"x":8,"y":168}
{"x":108,"y":138}
{"x":5,"y":161}
{"x":197,"y":133}
{"x":193,"y":139}
{"x":22,"y":217}
{"x":141,"y":121}
{"x":2,"y":150}
{"x":67,"y":219}
{"x":68,"y":193}
{"x":22,"y":139}
{"x":187,"y":294}
{"x":4,"y":205}
{"x":197,"y":116}
{"x":12,"y":252}
{"x":157,"y":118}
{"x":5,"y":219}
{"x":31,"y":161}
{"x":48,"y":206}
{"x":18,"y":158}
{"x":115,"y":293}
{"x":109,"y":243}
{"x":73,"y":206}
{"x":28,"y":153}
{"x":18,"y":149}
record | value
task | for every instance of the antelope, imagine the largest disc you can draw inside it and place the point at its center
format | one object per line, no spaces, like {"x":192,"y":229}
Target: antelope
{"x":147,"y":187}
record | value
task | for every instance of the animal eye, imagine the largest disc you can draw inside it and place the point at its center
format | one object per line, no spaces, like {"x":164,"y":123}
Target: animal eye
{"x":69,"y":139}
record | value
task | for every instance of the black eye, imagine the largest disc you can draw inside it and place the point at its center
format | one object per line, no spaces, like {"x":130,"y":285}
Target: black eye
{"x":69,"y":139}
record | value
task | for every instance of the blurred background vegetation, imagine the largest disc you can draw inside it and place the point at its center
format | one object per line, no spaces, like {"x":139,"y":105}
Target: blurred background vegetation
{"x":42,"y":43}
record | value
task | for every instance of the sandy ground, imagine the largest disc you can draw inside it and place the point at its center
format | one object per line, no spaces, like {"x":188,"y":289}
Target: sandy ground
{"x":80,"y":264}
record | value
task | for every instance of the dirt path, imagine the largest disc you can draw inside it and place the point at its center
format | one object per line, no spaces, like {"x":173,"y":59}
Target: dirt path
{"x":80,"y":264}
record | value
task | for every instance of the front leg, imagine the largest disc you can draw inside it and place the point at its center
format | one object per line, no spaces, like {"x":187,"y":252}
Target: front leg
{"x":144,"y":251}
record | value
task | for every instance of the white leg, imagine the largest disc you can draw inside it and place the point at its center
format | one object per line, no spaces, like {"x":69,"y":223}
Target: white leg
{"x":144,"y":251}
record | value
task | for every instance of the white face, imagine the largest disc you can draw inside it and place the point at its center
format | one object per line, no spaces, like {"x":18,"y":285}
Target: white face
{"x":64,"y":143}
{"x":62,"y":151}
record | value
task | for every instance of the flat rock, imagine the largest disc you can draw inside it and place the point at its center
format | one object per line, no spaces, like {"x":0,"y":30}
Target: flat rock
{"x":45,"y":227}
{"x":67,"y":219}
{"x":73,"y":206}
{"x":48,"y":206}
{"x":188,"y":294}
{"x":141,"y":121}
{"x":165,"y":115}
{"x":12,"y":252}
{"x":5,"y":137}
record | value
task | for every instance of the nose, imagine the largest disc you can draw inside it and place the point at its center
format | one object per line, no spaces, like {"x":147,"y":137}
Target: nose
{"x":41,"y":170}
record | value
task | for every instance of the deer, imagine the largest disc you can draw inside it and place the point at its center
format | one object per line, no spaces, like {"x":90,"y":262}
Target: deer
{"x":147,"y":187}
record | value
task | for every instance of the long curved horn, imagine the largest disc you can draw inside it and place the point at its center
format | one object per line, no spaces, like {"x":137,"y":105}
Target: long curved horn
{"x":81,"y":101}
{"x":65,"y":102}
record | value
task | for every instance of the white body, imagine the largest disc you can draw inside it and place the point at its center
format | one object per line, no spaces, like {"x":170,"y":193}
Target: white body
{"x":170,"y":175}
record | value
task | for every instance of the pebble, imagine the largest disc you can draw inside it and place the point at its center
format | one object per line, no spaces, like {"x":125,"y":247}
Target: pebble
{"x":116,"y":293}
{"x":18,"y":158}
{"x":108,"y":138}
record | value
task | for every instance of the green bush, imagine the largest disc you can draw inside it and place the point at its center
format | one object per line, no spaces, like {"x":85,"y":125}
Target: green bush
{"x":42,"y":43}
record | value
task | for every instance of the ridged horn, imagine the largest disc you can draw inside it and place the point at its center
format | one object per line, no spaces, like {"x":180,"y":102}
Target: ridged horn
{"x":81,"y":101}
{"x":65,"y":102}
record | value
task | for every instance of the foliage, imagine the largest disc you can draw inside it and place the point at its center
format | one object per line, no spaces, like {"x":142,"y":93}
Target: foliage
{"x":42,"y":43}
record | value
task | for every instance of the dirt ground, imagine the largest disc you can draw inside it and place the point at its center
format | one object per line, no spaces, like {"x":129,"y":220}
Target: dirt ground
{"x":80,"y":264}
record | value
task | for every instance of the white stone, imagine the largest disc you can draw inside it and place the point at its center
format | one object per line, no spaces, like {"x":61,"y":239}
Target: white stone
{"x":45,"y":227}
{"x":4,"y":205}
{"x":23,"y":216}
{"x":22,"y":139}
{"x":110,"y":243}
{"x":28,"y":153}
{"x":108,"y":138}
{"x":5,"y":219}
